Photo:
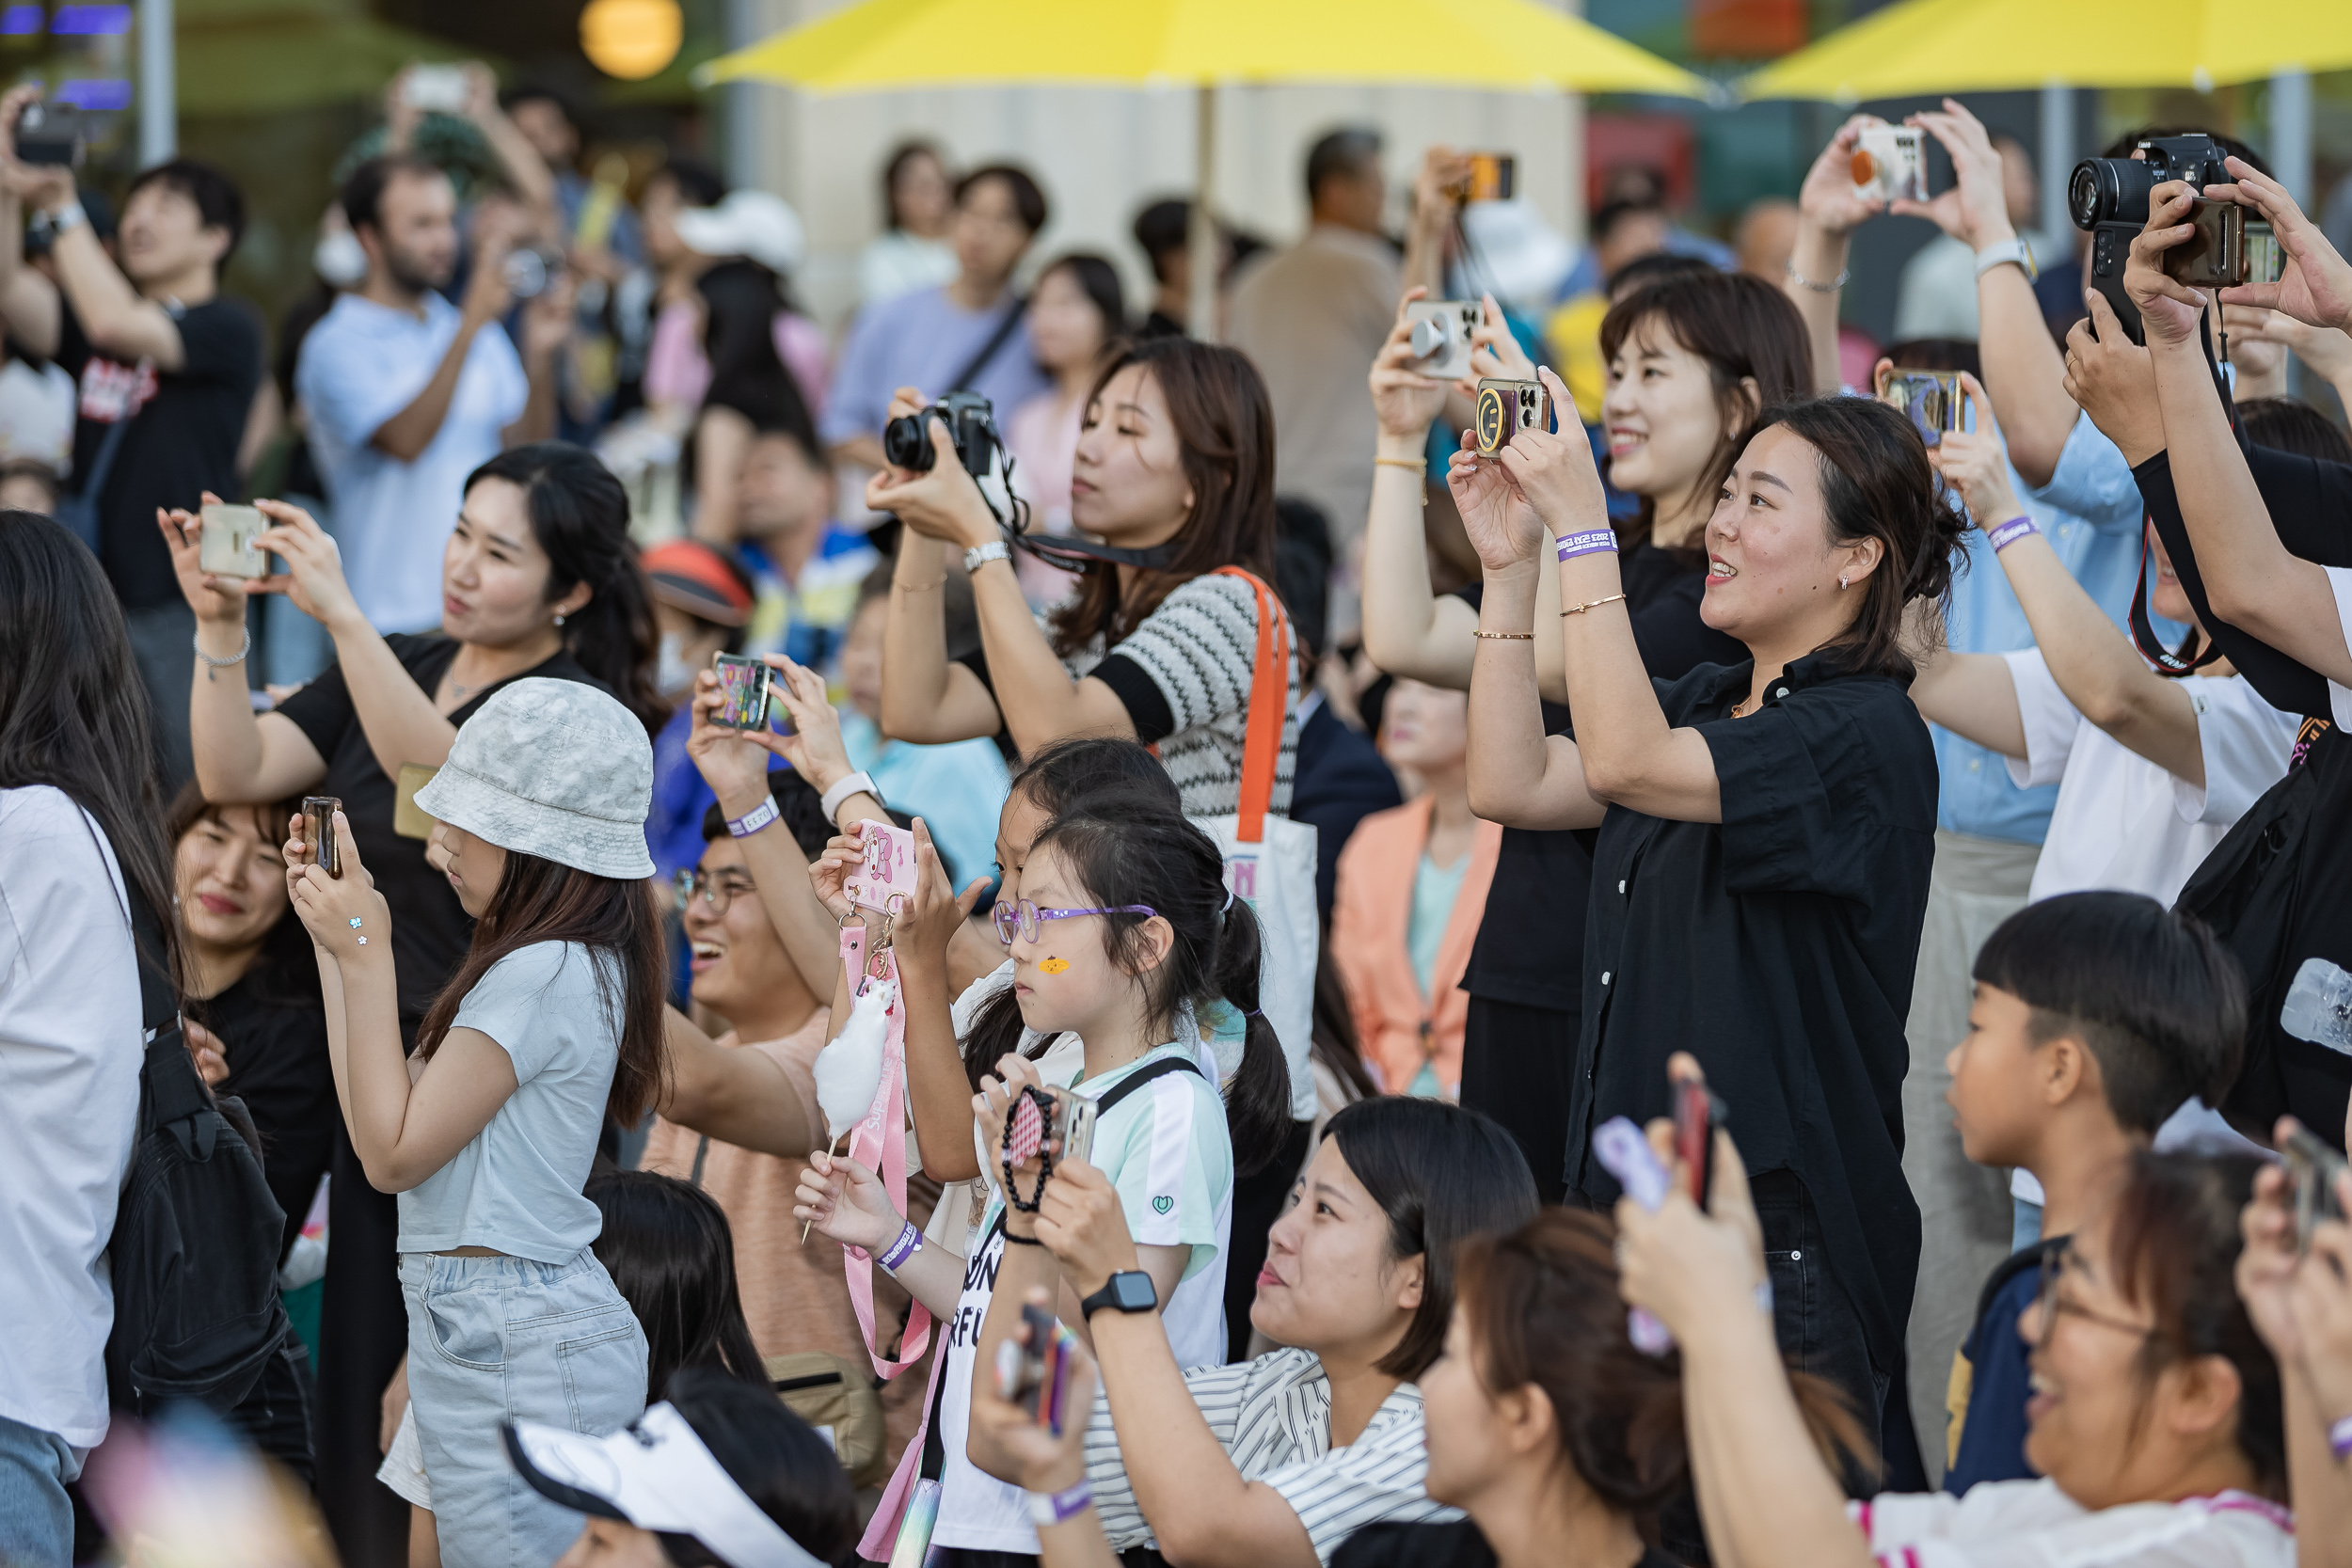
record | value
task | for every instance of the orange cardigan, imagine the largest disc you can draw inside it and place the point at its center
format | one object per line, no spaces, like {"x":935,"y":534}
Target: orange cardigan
{"x":1371,"y":910}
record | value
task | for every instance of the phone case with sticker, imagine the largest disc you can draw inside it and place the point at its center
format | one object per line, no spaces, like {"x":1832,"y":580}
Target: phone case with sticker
{"x":884,"y":879}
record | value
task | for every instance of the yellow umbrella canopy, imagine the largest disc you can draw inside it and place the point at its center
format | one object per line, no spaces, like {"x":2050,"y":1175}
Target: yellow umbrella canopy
{"x":1510,"y":44}
{"x":1925,"y":46}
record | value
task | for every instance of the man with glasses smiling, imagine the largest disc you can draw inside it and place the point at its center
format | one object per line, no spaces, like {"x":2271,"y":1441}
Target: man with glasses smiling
{"x":794,"y":1300}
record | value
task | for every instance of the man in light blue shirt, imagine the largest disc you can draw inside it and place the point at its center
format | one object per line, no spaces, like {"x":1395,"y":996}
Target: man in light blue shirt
{"x":971,"y":329}
{"x":407,"y":394}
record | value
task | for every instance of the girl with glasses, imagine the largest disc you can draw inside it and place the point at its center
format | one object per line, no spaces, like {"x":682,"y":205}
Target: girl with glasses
{"x":1120,"y":928}
{"x":2156,"y":1419}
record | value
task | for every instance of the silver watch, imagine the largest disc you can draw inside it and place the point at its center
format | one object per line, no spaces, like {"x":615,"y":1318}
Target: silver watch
{"x":2012,"y":249}
{"x":980,"y":555}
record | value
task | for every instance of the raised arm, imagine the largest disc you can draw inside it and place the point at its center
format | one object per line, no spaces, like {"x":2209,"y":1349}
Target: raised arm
{"x":939,"y":1095}
{"x":1628,"y":754}
{"x":2023,"y":370}
{"x":28,"y":301}
{"x":1437,"y":203}
{"x":1827,"y":213}
{"x":2251,"y":579}
{"x":2094,"y":665}
{"x":925,"y":699}
{"x":1972,"y":695}
{"x":406,"y":434}
{"x":737,"y":1096}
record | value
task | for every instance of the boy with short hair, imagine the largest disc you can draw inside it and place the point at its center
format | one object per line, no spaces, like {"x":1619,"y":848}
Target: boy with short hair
{"x":2095,"y":1016}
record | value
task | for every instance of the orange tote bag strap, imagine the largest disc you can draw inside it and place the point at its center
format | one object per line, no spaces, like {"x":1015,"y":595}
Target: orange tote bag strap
{"x":1269,"y":702}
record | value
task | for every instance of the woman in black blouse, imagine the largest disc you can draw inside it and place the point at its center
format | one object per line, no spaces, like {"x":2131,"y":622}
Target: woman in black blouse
{"x":538,"y":578}
{"x":1766,"y":830}
{"x":1690,"y":361}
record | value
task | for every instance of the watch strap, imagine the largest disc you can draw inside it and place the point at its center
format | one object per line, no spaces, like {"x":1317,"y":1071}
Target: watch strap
{"x":980,"y":555}
{"x":859,"y":781}
{"x":2012,"y":249}
{"x":1108,"y":1295}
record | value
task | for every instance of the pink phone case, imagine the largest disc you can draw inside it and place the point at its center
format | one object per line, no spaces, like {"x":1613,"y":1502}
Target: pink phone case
{"x":885,"y":879}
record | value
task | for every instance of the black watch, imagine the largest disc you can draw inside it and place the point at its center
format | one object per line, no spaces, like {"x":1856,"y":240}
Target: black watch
{"x":1128,"y":1291}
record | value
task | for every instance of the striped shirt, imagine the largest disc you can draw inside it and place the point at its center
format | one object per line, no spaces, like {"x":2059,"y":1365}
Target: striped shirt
{"x":1273,"y":1415}
{"x":2031,"y":1524}
{"x":1184,"y":676}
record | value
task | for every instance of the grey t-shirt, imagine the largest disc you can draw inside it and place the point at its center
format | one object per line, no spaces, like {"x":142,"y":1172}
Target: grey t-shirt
{"x":556,"y":1007}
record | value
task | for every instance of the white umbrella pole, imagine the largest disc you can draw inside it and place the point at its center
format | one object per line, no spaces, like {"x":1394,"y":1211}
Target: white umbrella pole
{"x":2057,"y":164}
{"x":1201,"y":244}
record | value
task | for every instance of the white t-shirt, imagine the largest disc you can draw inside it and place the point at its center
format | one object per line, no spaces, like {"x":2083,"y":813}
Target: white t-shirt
{"x":2339,"y":696}
{"x":361,"y":364}
{"x":2121,"y":820}
{"x":1272,"y":1415}
{"x":70,"y":1049}
{"x":1166,"y":1150}
{"x":2031,"y":1524}
{"x":556,"y":1008}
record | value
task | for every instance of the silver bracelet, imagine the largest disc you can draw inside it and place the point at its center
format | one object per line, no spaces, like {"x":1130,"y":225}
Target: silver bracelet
{"x":211,"y":663}
{"x":1804,"y":283}
{"x":980,"y":555}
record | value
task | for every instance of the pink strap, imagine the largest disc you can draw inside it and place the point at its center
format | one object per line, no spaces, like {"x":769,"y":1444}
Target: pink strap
{"x":882,"y":1531}
{"x":879,"y":1142}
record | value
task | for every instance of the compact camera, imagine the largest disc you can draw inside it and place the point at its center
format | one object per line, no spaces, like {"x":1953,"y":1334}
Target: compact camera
{"x":970,"y":421}
{"x":1930,"y":399}
{"x":1441,"y":336}
{"x":225,"y":546}
{"x":51,"y":134}
{"x":1492,"y":177}
{"x":1506,"y":407}
{"x":748,"y":685}
{"x":1890,"y":164}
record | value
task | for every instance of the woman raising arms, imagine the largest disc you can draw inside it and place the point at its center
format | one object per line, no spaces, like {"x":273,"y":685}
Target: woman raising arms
{"x":1761,"y":872}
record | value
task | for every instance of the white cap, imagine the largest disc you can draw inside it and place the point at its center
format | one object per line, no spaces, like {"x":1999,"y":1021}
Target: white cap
{"x":655,"y":1474}
{"x":751,"y":224}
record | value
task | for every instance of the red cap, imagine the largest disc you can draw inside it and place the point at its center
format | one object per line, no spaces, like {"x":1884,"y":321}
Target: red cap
{"x":694,"y":576}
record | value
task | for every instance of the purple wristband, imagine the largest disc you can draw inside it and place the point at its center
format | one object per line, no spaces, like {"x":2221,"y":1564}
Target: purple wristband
{"x":1055,"y":1508}
{"x":2005,"y":534}
{"x":2340,"y":1438}
{"x":910,"y":1242}
{"x":753,"y":819}
{"x":1588,"y":542}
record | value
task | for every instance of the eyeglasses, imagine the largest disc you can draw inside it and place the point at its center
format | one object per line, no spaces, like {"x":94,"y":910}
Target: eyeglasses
{"x":2051,"y":1298}
{"x":1025,"y":918}
{"x":713,"y":891}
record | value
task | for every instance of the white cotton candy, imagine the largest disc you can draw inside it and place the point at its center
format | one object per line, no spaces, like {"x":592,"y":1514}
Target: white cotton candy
{"x":850,"y":1070}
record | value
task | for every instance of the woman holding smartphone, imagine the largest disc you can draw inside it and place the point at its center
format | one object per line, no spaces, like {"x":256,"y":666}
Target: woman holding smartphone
{"x":538,"y":578}
{"x":1764,"y":829}
{"x":553,"y":1023}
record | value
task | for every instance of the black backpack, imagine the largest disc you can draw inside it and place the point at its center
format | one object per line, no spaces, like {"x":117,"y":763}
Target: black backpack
{"x":194,"y":1246}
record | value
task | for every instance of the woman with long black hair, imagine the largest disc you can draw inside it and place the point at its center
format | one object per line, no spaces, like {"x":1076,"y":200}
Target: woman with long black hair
{"x":81,"y":848}
{"x":538,"y":580}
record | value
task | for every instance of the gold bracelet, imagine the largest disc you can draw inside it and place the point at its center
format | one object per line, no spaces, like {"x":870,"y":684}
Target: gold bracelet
{"x":917,"y":586}
{"x":1419,"y":464}
{"x":1580,"y":609}
{"x":1505,"y":636}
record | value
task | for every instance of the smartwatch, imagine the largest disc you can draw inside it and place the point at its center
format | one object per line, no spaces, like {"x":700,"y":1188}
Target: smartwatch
{"x":2012,"y":249}
{"x":1128,"y":1291}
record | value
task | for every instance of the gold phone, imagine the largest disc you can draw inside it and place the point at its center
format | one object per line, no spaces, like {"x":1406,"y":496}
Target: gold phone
{"x":410,"y":820}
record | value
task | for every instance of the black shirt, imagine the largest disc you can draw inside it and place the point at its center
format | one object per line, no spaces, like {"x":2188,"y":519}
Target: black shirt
{"x":1392,"y":1544}
{"x":431,"y":930}
{"x":185,"y":428}
{"x":1777,"y":947}
{"x":273,"y":1033}
{"x":1529,"y":946}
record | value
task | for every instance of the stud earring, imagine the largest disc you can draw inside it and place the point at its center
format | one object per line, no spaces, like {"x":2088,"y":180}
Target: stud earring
{"x":1841,"y":588}
{"x":559,"y":614}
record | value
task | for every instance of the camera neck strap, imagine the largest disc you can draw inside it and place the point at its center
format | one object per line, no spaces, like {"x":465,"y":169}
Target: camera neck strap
{"x":2195,"y":650}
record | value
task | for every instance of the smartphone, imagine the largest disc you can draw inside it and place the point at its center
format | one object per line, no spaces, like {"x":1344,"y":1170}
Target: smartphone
{"x":1033,"y":1367}
{"x":2313,"y":1168}
{"x":1492,"y":177}
{"x":1073,"y":1125}
{"x":1441,"y":336}
{"x":442,"y":89}
{"x":885,"y":879}
{"x":1697,"y":1115}
{"x":224,"y":548}
{"x":53,"y":135}
{"x":318,"y":831}
{"x":1890,"y":164}
{"x":1930,"y":399}
{"x":748,"y":684}
{"x":2214,"y":255}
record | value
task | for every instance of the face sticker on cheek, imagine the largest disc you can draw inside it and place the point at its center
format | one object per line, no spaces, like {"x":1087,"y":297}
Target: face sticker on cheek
{"x":1053,"y":966}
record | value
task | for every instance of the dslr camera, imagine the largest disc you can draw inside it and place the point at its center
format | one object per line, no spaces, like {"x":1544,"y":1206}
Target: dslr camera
{"x":2107,"y":198}
{"x":970,"y":421}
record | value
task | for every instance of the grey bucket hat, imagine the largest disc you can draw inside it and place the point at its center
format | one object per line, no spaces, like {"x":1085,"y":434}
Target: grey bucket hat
{"x":552,"y":769}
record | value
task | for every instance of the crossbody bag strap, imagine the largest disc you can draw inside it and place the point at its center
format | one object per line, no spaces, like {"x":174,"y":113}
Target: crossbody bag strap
{"x":961,"y":380}
{"x":1128,"y":1086}
{"x":1270,"y":706}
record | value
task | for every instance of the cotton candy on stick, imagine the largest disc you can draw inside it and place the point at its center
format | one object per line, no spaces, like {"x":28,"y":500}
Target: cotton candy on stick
{"x":850,"y":1069}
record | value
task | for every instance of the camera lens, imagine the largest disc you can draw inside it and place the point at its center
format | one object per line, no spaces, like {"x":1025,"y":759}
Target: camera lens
{"x":907,"y":444}
{"x":2090,"y":193}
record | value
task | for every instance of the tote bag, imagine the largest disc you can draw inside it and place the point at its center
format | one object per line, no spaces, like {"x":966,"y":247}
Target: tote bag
{"x":1269,"y":859}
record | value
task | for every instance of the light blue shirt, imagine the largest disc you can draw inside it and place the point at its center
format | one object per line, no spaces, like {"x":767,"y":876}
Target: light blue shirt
{"x":920,"y":339}
{"x":2090,"y":512}
{"x":957,"y":789}
{"x":362,"y":364}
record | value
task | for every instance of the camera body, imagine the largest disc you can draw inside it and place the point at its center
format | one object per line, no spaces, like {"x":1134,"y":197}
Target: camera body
{"x":1506,"y":407}
{"x":970,"y":421}
{"x":2108,"y":198}
{"x":50,"y":134}
{"x":1441,"y":336}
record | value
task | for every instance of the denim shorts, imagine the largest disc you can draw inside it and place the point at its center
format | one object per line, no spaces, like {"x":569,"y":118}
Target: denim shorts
{"x":493,"y":1340}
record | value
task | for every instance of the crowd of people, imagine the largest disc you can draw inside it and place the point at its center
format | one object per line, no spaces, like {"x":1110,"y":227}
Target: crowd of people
{"x":1734,"y":976}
